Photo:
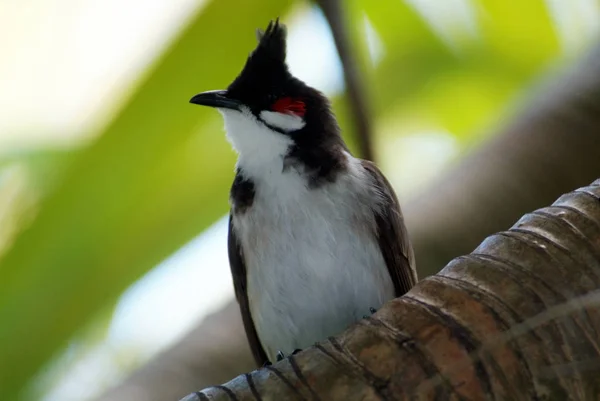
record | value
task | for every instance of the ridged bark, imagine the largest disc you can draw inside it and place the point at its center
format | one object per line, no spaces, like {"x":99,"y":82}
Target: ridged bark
{"x":516,"y":319}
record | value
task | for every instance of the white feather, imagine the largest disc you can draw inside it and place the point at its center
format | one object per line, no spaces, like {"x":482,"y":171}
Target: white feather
{"x":314,"y":266}
{"x":284,"y":121}
{"x":260,"y":149}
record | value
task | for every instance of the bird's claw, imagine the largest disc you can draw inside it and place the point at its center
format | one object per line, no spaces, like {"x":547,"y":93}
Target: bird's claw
{"x":281,"y":356}
{"x":372,"y":310}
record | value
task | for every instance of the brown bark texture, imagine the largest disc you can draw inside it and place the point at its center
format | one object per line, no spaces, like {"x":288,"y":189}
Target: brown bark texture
{"x":551,"y":147}
{"x":516,"y":319}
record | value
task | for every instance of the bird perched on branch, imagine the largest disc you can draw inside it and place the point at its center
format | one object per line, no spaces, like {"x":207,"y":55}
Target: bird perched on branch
{"x":316,"y":236}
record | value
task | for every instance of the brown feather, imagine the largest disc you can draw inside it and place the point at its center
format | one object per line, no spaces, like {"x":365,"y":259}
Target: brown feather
{"x":392,"y":234}
{"x":238,"y":271}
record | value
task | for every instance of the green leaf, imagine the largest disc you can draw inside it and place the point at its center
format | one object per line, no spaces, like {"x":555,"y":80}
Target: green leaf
{"x":523,"y":33}
{"x":400,"y":27}
{"x":413,"y":53}
{"x":421,"y":78}
{"x":156,"y":177}
{"x":45,"y":166}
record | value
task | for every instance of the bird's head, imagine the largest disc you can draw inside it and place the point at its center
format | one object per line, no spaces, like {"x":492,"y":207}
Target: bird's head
{"x":268,"y":112}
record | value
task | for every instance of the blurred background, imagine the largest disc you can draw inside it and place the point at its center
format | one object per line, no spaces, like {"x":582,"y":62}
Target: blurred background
{"x":114,"y":189}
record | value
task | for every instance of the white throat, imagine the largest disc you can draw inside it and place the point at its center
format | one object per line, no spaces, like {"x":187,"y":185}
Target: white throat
{"x":260,"y":149}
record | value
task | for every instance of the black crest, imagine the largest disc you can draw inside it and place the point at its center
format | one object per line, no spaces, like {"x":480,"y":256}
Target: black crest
{"x":271,"y":45}
{"x":266,"y":73}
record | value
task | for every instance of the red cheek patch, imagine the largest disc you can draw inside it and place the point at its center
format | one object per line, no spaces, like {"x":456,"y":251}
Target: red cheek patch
{"x":289,"y":105}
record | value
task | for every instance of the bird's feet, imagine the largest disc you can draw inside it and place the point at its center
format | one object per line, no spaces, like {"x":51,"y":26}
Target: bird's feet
{"x":281,"y":355}
{"x":372,"y":310}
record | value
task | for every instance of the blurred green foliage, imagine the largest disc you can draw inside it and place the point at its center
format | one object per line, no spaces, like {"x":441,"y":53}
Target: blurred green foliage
{"x":155,"y":178}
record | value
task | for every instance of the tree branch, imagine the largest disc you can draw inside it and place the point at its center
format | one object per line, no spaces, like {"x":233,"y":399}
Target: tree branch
{"x":355,"y":87}
{"x":504,"y":322}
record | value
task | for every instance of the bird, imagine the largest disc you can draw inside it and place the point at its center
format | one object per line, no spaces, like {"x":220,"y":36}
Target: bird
{"x":316,"y":237}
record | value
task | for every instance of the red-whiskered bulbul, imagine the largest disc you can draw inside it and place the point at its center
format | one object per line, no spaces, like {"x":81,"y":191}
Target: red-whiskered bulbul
{"x":316,"y":236}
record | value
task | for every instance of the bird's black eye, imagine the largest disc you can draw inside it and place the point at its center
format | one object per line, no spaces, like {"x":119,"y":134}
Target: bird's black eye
{"x":289,"y":105}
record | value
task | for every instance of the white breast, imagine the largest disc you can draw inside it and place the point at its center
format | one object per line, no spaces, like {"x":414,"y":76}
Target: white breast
{"x":314,"y":266}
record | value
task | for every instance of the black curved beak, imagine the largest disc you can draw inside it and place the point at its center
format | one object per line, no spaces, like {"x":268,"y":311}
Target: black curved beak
{"x":217,"y":98}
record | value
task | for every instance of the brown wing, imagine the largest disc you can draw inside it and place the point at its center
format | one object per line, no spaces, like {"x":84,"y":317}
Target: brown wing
{"x":238,"y":271}
{"x":392,"y":235}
